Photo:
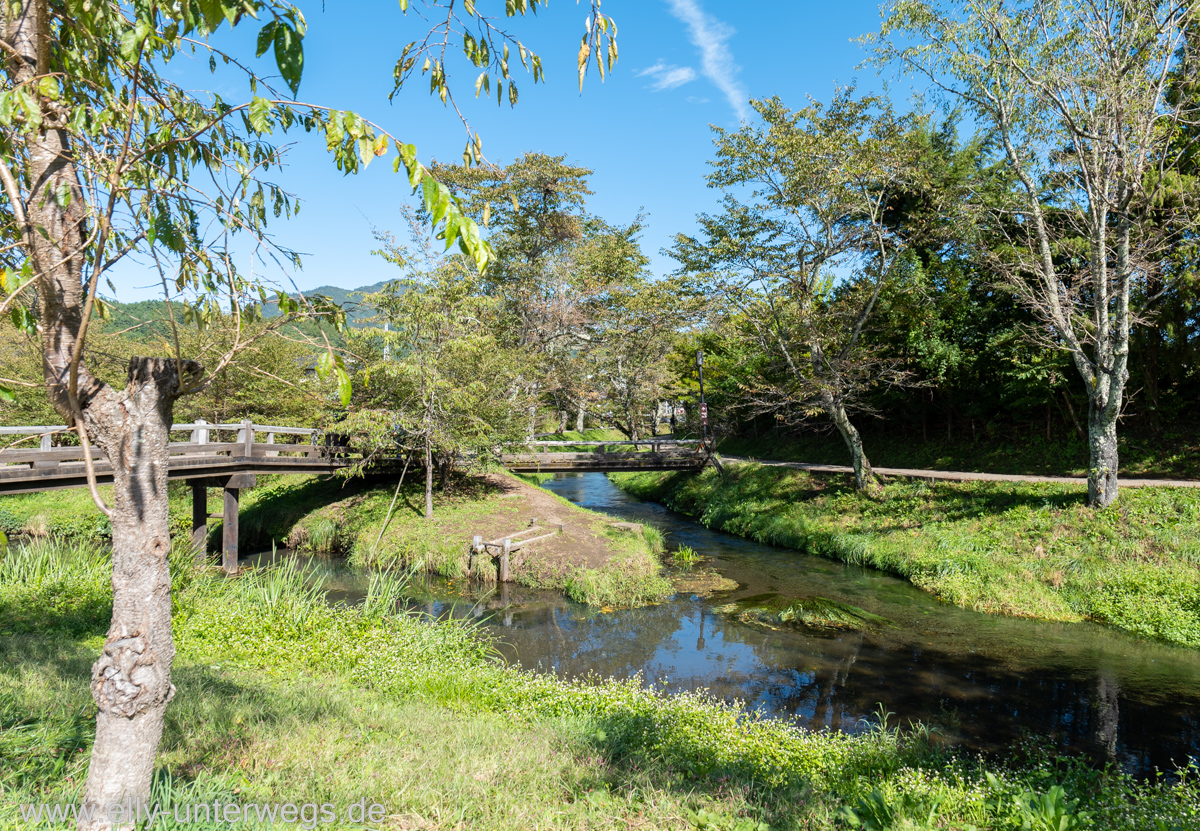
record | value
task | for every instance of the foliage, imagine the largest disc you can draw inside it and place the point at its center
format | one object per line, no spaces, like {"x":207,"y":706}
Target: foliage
{"x":433,"y":379}
{"x":569,"y":285}
{"x":788,"y":230}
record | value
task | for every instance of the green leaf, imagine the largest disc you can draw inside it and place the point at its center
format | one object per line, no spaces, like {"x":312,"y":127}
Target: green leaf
{"x":343,"y":382}
{"x":8,"y":396}
{"x":289,"y":55}
{"x":265,"y":35}
{"x":260,"y":114}
{"x":49,"y":88}
{"x":213,"y":13}
{"x":23,"y":320}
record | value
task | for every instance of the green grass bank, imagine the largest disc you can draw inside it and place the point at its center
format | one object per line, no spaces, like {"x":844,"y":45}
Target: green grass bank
{"x":1174,"y":455}
{"x":1028,"y":550}
{"x":283,"y":697}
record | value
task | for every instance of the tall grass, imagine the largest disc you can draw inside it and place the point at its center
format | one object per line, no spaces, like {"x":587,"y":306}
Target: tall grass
{"x":384,"y":592}
{"x":419,"y":548}
{"x":338,"y":703}
{"x":42,"y":561}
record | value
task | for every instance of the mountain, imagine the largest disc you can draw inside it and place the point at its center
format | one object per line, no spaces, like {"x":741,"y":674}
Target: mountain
{"x":128,"y":315}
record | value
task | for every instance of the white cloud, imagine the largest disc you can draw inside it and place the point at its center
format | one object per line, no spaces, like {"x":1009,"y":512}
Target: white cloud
{"x":667,"y":76}
{"x":709,"y":35}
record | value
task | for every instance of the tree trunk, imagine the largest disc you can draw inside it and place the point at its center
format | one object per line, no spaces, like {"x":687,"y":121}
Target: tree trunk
{"x":579,"y":420}
{"x":532,"y":421}
{"x":562,"y":421}
{"x":428,"y":477}
{"x":131,"y":682}
{"x":1150,"y":374}
{"x":1102,"y":452}
{"x":864,"y":475}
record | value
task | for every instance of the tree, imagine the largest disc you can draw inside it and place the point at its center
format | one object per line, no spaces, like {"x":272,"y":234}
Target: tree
{"x":1078,"y":96}
{"x":433,"y":379}
{"x":634,"y":336}
{"x":554,"y":266}
{"x":103,"y":156}
{"x":804,"y":207}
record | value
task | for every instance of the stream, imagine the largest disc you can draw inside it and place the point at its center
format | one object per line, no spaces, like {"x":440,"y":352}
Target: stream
{"x":981,"y":681}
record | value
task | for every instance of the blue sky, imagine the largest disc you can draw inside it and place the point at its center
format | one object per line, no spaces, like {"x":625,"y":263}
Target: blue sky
{"x":684,"y":65}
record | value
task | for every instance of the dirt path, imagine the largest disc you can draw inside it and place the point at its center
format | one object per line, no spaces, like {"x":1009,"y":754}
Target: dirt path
{"x":588,"y":540}
{"x":958,"y":476}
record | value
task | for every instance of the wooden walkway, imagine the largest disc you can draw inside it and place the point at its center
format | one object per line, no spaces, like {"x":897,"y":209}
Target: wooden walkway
{"x":648,"y":454}
{"x":202,"y":458}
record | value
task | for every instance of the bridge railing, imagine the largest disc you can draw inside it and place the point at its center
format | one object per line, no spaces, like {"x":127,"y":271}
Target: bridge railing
{"x":204,"y":439}
{"x":655,"y":445}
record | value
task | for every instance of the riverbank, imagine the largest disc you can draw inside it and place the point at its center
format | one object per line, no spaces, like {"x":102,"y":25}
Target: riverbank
{"x":370,"y":523}
{"x":1027,"y":550}
{"x":285,"y":698}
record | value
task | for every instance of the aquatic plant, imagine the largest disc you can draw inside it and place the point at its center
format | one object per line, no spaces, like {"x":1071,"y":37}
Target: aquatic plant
{"x":685,"y":555}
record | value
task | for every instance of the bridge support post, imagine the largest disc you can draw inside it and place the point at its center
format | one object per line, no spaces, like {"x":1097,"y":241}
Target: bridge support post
{"x":229,"y":532}
{"x":199,"y":520}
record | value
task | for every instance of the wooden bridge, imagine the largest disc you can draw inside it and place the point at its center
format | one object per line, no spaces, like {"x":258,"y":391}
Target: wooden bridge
{"x":230,"y":457}
{"x":203,"y":459}
{"x":658,"y":454}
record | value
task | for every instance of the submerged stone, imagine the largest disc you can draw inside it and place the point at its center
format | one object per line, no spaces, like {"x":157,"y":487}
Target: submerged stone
{"x":701,"y":584}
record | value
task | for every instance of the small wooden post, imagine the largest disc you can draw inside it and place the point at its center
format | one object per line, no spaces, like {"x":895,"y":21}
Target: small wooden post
{"x":271,"y":440}
{"x":201,"y":434}
{"x":46,"y":445}
{"x":476,"y":550}
{"x":199,"y":519}
{"x":505,"y":574}
{"x":229,"y":535}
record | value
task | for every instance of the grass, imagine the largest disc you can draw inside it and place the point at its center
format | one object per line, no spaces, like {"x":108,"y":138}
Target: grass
{"x":1175,"y":455}
{"x":1028,"y":550}
{"x":285,"y":698}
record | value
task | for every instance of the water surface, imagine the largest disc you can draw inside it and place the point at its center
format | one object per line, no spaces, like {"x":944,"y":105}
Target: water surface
{"x":982,"y":681}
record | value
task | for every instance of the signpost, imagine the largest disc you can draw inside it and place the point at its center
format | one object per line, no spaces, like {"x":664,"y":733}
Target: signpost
{"x":703,"y":406}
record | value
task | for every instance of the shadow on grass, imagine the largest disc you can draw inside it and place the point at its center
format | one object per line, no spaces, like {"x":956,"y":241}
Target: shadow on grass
{"x":756,"y":495}
{"x":68,"y":613}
